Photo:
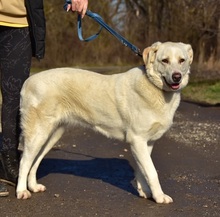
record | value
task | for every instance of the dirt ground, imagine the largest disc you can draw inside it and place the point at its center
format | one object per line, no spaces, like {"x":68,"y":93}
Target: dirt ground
{"x":89,"y":175}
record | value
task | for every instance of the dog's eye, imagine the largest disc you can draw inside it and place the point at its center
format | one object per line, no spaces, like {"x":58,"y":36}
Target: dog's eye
{"x":165,"y":61}
{"x":181,"y":60}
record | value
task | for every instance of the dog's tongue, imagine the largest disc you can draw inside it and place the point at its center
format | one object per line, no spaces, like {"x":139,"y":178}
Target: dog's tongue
{"x":175,"y":86}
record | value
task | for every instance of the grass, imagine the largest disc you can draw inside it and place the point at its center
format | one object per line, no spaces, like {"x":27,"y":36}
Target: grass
{"x":203,"y":92}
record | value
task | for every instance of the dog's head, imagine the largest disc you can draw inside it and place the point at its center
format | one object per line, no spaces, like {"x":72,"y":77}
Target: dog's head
{"x":168,"y":64}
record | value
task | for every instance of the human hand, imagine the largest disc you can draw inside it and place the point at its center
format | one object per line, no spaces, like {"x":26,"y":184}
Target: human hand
{"x":78,"y":5}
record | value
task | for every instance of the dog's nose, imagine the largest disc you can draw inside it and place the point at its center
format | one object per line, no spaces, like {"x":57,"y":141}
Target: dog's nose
{"x":176,"y":76}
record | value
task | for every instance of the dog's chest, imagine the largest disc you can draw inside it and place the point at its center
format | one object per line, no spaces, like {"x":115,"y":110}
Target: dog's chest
{"x":157,"y":129}
{"x":159,"y":126}
{"x":162,"y":121}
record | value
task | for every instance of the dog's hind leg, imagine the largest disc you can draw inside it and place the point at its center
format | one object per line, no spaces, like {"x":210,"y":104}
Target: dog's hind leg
{"x":33,"y":147}
{"x":32,"y":180}
{"x":31,"y":150}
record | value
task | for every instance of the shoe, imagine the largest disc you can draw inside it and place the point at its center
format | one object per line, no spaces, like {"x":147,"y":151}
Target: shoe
{"x":3,"y":190}
{"x":9,"y":164}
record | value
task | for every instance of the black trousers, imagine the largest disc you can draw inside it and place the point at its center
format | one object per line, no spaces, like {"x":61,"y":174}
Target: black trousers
{"x":15,"y":63}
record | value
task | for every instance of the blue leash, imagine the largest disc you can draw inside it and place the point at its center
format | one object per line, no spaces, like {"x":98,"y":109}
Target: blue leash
{"x":99,"y":20}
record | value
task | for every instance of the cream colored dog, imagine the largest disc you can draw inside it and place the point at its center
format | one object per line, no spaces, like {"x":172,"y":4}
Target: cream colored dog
{"x":136,"y":106}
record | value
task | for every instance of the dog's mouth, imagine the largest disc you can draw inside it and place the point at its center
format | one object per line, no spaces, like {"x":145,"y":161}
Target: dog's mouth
{"x":173,"y":86}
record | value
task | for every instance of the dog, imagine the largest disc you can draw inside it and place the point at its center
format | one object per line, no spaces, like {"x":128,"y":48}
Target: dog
{"x":137,"y":106}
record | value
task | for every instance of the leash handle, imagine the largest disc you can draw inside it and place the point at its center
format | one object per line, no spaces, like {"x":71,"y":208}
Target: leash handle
{"x":102,"y":24}
{"x":79,"y":24}
{"x":79,"y":28}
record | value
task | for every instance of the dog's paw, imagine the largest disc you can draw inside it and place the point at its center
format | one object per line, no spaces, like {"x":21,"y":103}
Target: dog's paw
{"x":145,"y":194}
{"x":23,"y":194}
{"x":163,"y":198}
{"x":37,"y":188}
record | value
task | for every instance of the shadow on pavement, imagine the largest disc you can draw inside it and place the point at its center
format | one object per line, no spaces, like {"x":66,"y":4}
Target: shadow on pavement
{"x":114,"y":171}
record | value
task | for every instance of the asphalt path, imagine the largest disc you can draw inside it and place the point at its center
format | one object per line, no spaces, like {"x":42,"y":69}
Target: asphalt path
{"x":89,"y":175}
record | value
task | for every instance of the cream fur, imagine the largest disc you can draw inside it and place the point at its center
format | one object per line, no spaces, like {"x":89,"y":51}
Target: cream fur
{"x":137,"y":106}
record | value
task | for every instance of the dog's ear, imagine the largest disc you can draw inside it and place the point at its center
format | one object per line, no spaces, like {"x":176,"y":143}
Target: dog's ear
{"x":190,"y":52}
{"x":149,"y":53}
{"x":145,"y":54}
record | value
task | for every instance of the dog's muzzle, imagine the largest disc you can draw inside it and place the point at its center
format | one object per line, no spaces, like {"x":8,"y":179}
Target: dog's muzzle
{"x":176,"y":80}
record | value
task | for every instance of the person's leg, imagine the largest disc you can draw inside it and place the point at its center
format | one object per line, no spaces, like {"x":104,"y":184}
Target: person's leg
{"x":15,"y":62}
{"x":3,"y":190}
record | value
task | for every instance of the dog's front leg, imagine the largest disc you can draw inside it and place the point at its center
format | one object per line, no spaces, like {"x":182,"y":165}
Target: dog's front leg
{"x":142,"y":186}
{"x":148,"y":173}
